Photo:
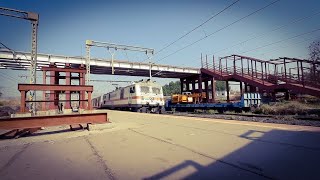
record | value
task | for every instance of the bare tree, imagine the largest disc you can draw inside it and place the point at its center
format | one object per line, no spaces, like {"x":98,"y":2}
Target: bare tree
{"x":314,"y":51}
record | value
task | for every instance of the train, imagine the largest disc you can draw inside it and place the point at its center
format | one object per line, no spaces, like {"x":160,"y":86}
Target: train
{"x":146,"y":96}
{"x":143,"y":96}
{"x":189,"y":102}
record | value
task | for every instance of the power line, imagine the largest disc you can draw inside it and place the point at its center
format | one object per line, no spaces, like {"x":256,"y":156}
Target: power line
{"x":215,"y":15}
{"x":275,"y":29}
{"x":4,"y":46}
{"x":9,"y":77}
{"x":292,"y":37}
{"x":13,"y":52}
{"x":277,"y":49}
{"x":220,"y":29}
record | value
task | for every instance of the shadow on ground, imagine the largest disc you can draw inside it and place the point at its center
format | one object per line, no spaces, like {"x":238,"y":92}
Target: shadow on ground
{"x":276,"y":154}
{"x":17,"y":133}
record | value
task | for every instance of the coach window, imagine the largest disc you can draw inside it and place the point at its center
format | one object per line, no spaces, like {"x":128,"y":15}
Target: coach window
{"x":156,"y":90}
{"x":132,"y":90}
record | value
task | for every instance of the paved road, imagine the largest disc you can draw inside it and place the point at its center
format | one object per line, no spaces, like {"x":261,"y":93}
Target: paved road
{"x":147,"y":146}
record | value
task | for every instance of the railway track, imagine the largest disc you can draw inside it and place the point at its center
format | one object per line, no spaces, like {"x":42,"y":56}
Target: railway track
{"x":278,"y":119}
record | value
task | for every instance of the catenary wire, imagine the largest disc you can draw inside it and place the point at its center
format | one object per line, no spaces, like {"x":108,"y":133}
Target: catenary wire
{"x":263,"y":34}
{"x":186,"y":34}
{"x":270,"y":44}
{"x":258,"y":10}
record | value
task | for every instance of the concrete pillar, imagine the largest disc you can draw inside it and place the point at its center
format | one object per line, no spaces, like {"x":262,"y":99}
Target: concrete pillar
{"x":56,"y":93}
{"x":181,"y":85}
{"x":193,"y":86}
{"x":44,"y":81}
{"x":89,"y":101}
{"x":68,"y":93}
{"x":206,"y":87}
{"x":81,"y":92}
{"x":213,"y":90}
{"x":200,"y":87}
{"x":227,"y":88}
{"x":245,"y":87}
{"x":52,"y":93}
{"x":188,"y":85}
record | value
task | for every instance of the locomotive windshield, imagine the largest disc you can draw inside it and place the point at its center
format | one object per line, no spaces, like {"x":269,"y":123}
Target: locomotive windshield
{"x":145,"y":89}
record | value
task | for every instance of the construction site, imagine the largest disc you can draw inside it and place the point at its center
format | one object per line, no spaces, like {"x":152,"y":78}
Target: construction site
{"x":69,"y":125}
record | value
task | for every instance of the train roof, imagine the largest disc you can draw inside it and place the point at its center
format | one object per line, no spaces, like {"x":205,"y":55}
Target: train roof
{"x":141,"y":82}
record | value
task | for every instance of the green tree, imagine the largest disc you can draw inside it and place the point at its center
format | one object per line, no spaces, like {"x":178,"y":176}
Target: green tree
{"x":171,"y":88}
{"x":220,"y":86}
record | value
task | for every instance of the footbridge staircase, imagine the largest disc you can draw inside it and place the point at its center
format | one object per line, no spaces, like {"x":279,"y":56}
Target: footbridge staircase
{"x":284,"y":74}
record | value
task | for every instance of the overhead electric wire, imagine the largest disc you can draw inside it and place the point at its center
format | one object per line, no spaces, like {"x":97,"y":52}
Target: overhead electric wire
{"x":181,"y":37}
{"x":256,"y":11}
{"x":5,"y":46}
{"x":292,"y":37}
{"x":278,"y":48}
{"x":263,"y":34}
{"x":9,"y":77}
{"x":13,"y":53}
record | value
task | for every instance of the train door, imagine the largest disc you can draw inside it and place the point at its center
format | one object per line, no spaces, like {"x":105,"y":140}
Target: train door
{"x":131,"y":93}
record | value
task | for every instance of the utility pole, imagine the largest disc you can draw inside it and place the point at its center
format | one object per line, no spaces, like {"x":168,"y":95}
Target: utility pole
{"x":34,"y":19}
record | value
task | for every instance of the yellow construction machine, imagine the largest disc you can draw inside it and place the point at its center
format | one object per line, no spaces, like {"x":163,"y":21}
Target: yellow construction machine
{"x":187,"y":97}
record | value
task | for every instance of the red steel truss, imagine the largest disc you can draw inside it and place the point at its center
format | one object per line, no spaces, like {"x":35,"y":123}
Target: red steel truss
{"x":282,"y":74}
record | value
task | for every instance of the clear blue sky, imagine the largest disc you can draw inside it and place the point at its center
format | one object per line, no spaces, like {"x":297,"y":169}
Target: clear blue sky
{"x":65,"y":25}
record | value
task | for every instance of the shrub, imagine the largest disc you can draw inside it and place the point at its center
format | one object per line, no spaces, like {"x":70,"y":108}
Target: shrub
{"x":284,"y":108}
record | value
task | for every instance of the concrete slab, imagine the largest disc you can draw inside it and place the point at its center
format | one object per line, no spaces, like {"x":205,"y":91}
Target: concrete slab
{"x":149,"y":146}
{"x":70,"y":159}
{"x":129,"y":155}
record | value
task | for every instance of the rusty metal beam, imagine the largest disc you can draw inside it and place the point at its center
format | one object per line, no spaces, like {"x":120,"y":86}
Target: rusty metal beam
{"x":57,"y":120}
{"x":72,"y":70}
{"x":53,"y":87}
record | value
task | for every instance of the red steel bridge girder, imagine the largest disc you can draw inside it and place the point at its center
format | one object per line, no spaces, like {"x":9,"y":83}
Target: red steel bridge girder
{"x":57,"y":120}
